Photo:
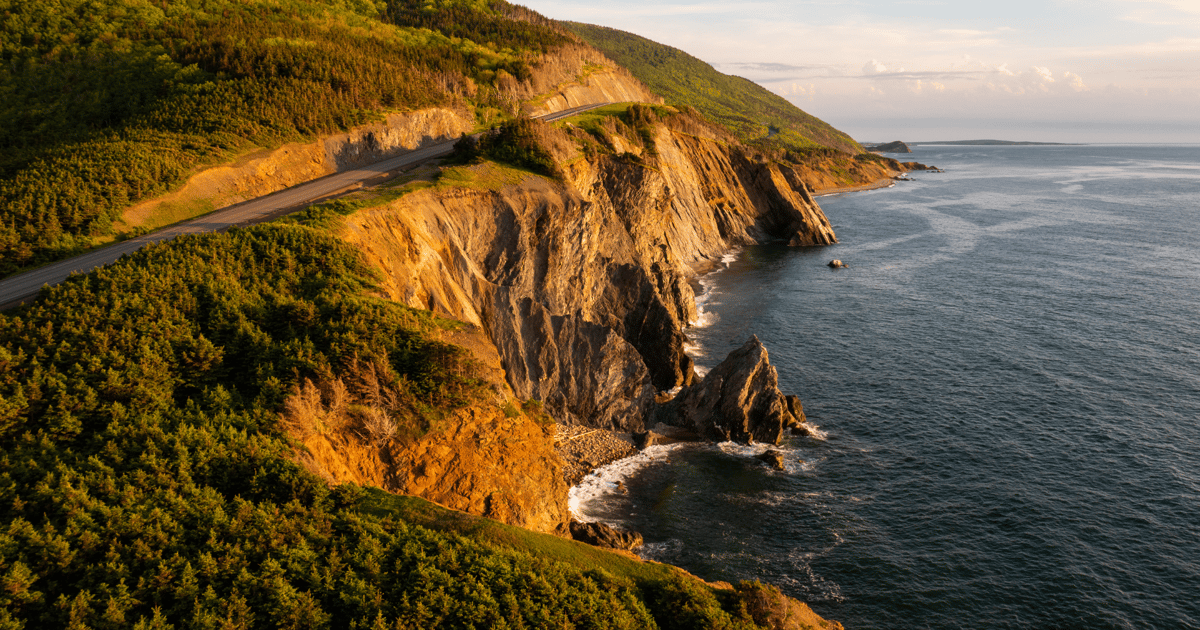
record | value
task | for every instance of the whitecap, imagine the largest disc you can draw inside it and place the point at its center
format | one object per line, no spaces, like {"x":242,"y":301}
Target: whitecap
{"x":793,"y":462}
{"x":608,"y":479}
{"x":815,"y":431}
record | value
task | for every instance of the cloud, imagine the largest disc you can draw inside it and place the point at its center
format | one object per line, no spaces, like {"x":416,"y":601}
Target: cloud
{"x":1160,"y":12}
{"x":873,"y":67}
{"x":1075,"y":81}
{"x":1044,"y":73}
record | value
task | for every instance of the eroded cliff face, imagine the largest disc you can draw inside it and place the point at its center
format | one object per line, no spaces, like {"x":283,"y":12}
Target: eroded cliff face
{"x":584,"y":285}
{"x":491,"y":458}
{"x":608,"y":85}
{"x":268,"y":171}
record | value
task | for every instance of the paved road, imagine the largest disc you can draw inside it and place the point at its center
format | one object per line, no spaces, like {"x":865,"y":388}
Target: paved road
{"x":19,"y":288}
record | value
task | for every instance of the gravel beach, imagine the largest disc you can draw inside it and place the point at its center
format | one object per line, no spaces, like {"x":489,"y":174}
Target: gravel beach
{"x":584,"y":449}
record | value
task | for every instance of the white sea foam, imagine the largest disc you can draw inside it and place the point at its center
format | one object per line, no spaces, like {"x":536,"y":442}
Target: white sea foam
{"x":793,"y":463}
{"x":658,"y":550}
{"x":609,"y":478}
{"x":815,"y":431}
{"x":708,"y":283}
{"x":704,"y":301}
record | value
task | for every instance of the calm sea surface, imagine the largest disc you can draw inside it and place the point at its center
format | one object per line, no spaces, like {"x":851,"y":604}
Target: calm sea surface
{"x":1007,"y":378}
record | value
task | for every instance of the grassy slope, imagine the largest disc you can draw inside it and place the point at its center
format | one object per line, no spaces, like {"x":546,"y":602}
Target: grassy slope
{"x":753,"y":113}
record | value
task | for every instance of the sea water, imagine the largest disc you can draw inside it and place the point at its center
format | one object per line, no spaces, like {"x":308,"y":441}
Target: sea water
{"x":1006,"y":379}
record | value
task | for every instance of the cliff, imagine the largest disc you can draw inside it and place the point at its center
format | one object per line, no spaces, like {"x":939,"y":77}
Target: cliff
{"x":491,"y":458}
{"x":606,"y":85}
{"x":269,"y":170}
{"x":583,"y":285}
{"x":580,"y":291}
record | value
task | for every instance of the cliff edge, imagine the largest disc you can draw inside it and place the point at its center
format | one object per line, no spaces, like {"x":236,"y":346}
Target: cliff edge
{"x":578,"y":290}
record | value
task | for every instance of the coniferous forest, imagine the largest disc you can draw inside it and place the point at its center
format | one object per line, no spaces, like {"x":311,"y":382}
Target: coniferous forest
{"x":146,"y":477}
{"x":103,"y":104}
{"x":147,"y":481}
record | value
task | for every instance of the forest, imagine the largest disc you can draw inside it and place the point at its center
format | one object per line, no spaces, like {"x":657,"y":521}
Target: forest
{"x":147,"y":481}
{"x":146,"y":476}
{"x":103,"y":104}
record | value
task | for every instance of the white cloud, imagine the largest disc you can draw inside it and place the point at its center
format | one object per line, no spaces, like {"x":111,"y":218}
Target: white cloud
{"x":873,"y":67}
{"x":980,"y":61}
{"x":1160,"y":12}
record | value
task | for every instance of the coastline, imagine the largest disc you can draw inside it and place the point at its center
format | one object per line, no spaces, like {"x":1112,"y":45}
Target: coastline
{"x":886,"y":182}
{"x":584,"y":450}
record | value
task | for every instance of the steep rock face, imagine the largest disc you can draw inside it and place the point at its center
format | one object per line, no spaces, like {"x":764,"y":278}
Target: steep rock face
{"x":738,"y":400}
{"x":607,"y":86}
{"x":583,"y":286}
{"x":265,"y":172}
{"x":398,"y":134}
{"x":490,"y":458}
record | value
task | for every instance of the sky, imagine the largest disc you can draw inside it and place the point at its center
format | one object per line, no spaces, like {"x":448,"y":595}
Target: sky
{"x":926,"y":70}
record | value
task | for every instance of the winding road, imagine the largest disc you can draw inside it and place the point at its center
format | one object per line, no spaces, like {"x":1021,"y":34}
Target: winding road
{"x":21,"y":287}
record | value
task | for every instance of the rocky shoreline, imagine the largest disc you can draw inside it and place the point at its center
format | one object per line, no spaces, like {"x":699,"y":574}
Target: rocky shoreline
{"x":886,"y":182}
{"x":584,"y":449}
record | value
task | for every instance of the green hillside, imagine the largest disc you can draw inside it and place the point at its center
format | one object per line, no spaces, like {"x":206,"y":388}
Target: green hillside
{"x":753,"y":113}
{"x":147,"y":481}
{"x":103,"y":104}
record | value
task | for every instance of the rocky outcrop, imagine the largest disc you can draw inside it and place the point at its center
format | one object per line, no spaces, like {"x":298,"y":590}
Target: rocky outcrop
{"x":583,"y":285}
{"x":772,"y":458}
{"x":264,"y":172}
{"x":917,"y":166}
{"x":739,"y":400}
{"x":491,"y":458}
{"x":601,"y":535}
{"x":610,"y":85}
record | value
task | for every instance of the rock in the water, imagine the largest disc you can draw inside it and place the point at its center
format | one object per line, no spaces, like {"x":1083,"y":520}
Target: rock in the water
{"x":837,"y":264}
{"x":802,"y":430}
{"x":601,"y":535}
{"x":738,"y":400}
{"x":772,"y":458}
{"x":647,"y":438}
{"x":796,"y":408}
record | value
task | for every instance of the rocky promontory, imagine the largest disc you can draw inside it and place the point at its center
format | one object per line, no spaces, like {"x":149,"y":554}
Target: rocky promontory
{"x":579,"y":287}
{"x":888,"y":147}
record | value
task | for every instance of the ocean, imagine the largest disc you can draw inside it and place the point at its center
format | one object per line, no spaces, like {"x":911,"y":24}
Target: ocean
{"x":1006,"y":381}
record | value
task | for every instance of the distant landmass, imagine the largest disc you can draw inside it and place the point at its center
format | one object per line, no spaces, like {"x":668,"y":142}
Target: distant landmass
{"x":890,"y":147}
{"x":992,"y":142}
